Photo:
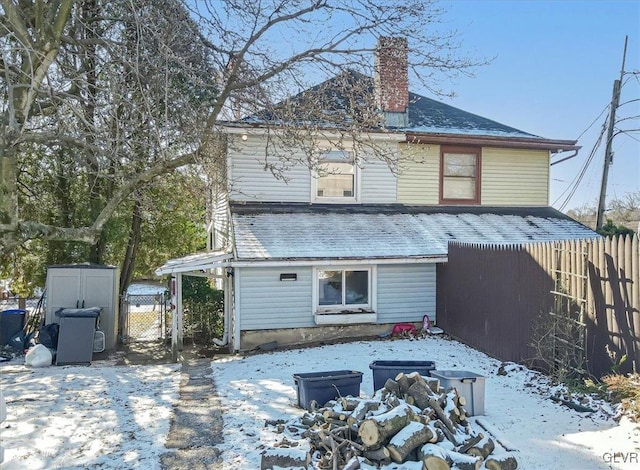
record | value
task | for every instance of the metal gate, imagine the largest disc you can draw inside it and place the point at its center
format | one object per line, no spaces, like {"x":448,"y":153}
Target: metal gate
{"x":145,"y":317}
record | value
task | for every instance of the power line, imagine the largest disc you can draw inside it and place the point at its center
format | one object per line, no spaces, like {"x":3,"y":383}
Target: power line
{"x":573,"y":186}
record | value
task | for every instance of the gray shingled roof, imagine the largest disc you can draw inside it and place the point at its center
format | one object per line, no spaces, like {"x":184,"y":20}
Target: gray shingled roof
{"x":345,"y":98}
{"x":273,"y":231}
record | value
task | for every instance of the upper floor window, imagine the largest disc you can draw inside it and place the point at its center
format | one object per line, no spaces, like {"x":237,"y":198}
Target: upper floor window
{"x":337,"y":178}
{"x":460,"y":175}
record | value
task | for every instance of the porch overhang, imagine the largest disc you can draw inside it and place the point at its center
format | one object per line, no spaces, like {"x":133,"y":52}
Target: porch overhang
{"x":196,"y":262}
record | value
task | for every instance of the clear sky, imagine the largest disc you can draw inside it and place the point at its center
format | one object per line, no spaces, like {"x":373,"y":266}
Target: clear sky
{"x":553,"y":73}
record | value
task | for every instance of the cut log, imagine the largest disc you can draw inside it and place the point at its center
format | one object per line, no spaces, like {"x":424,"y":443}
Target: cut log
{"x":448,"y":434}
{"x":333,"y":415}
{"x":392,"y":387}
{"x":421,"y":393}
{"x":443,"y":417}
{"x":414,"y":434}
{"x":377,"y":455}
{"x":284,"y":457}
{"x":374,"y":430}
{"x":503,"y":462}
{"x":471,"y":442}
{"x":464,"y":461}
{"x":403,"y":382}
{"x":432,"y":449}
{"x":349,"y":403}
{"x":352,"y":464}
{"x":435,"y":463}
{"x":360,"y":412}
{"x":483,"y":448}
{"x":434,"y":384}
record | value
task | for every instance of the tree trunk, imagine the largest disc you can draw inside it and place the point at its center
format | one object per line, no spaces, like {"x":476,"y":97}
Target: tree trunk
{"x":129,"y":261}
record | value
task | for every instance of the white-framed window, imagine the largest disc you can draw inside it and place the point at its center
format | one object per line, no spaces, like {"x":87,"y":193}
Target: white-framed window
{"x":344,"y":294}
{"x":337,"y":178}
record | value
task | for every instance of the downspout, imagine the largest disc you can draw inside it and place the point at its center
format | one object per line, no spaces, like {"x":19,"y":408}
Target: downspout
{"x":227,"y":309}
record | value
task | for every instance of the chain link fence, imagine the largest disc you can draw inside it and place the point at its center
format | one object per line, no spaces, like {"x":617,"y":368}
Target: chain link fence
{"x":145,"y":317}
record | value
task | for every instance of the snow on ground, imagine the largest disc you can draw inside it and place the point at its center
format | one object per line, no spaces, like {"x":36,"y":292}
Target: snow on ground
{"x":108,"y":416}
{"x":546,"y":434}
{"x":98,"y":416}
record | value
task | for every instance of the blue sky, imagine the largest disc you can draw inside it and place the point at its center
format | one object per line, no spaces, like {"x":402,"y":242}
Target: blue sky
{"x":553,"y":72}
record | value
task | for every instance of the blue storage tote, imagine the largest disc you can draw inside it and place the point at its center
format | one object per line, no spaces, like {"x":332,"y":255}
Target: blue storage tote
{"x":11,"y":323}
{"x":325,"y":386}
{"x":469,"y":384}
{"x":383,"y":370}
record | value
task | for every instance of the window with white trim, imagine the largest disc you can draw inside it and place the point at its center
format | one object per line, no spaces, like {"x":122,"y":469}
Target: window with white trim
{"x":337,"y":177}
{"x":344,"y":289}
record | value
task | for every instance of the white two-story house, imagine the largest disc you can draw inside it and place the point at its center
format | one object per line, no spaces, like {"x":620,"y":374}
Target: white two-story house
{"x":340,"y":236}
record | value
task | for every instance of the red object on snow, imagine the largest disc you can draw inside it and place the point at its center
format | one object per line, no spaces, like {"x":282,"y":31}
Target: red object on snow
{"x":401,"y":328}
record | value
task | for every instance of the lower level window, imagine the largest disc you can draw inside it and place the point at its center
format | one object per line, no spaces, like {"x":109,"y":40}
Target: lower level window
{"x":344,"y":289}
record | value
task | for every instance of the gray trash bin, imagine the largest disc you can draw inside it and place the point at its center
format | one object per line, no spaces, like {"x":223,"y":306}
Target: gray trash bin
{"x":75,"y":338}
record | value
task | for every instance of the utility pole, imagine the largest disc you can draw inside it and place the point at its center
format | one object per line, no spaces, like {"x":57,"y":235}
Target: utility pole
{"x":608,"y":153}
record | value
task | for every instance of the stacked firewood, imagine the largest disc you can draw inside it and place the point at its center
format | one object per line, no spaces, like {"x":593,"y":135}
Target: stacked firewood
{"x":411,"y":419}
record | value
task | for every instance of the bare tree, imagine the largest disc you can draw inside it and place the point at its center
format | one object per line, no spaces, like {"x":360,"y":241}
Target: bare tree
{"x":105,"y":84}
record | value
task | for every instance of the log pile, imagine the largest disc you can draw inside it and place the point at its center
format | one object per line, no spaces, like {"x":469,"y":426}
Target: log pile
{"x":411,"y":420}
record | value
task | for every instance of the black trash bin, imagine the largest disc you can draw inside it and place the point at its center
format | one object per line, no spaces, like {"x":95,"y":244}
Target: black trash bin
{"x":11,"y":323}
{"x":75,"y":336}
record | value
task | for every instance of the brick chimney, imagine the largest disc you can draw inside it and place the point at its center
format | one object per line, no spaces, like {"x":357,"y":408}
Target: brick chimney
{"x":391,"y":80}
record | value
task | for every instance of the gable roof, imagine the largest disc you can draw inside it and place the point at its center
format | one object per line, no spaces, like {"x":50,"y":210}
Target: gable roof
{"x":280,"y":232}
{"x":347,"y":100}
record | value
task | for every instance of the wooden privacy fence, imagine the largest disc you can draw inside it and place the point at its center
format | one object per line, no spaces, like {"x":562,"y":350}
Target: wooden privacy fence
{"x":500,"y":299}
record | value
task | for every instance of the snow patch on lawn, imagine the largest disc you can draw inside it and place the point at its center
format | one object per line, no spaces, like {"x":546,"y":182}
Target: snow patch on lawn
{"x":260,"y":387}
{"x":98,"y":416}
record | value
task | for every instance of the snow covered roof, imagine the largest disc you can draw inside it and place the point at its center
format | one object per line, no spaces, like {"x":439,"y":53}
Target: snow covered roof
{"x":347,"y":100}
{"x":430,"y":116}
{"x":273,"y":231}
{"x":194,"y":262}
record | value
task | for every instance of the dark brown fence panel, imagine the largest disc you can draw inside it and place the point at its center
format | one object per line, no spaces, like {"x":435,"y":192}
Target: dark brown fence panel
{"x":489,"y":297}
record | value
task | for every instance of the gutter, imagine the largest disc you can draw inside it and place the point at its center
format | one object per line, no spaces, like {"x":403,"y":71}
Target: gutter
{"x":575,"y":153}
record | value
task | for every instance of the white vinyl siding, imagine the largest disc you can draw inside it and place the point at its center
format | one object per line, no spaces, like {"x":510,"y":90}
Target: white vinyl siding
{"x":406,"y":292}
{"x":268,"y":303}
{"x":378,"y":183}
{"x":250,"y":181}
{"x":418,"y":178}
{"x":515,"y":177}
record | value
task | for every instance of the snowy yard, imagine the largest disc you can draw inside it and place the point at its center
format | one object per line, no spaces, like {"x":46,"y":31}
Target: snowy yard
{"x":107,"y":416}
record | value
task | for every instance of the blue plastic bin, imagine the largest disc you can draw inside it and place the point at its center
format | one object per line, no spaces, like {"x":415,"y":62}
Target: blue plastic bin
{"x":325,"y":386}
{"x":11,"y":323}
{"x":383,"y":370}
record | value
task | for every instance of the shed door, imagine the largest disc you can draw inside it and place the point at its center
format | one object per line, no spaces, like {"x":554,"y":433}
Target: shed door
{"x":63,"y":291}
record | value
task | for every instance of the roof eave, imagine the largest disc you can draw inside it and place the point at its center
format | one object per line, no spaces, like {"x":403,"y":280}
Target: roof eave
{"x":493,"y":141}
